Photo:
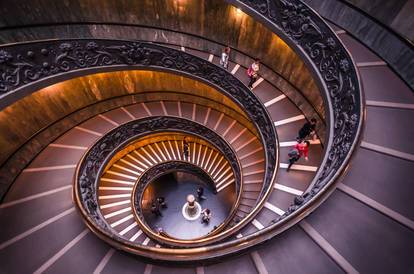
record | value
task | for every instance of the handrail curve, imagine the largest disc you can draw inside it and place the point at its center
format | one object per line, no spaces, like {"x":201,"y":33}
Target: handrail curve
{"x":308,"y":35}
{"x":155,"y":172}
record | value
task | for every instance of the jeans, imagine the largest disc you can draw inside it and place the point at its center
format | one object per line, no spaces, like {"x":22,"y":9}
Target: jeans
{"x":292,"y":161}
{"x":252,"y":80}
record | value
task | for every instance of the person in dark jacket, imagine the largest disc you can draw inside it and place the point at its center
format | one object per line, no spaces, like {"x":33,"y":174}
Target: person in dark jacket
{"x":155,"y":209}
{"x":306,"y":130}
{"x":161,"y":201}
{"x":252,"y":72}
{"x":200,"y":192}
{"x":186,"y":146}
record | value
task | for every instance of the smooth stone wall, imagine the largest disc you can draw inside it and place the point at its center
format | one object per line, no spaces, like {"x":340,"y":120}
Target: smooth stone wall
{"x":25,"y":118}
{"x":397,"y":14}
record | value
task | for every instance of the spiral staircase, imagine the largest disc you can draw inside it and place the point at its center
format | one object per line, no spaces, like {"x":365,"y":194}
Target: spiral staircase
{"x":360,"y":222}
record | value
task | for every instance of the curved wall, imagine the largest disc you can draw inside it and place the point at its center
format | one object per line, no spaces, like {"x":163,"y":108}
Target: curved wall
{"x":30,"y":124}
{"x":25,"y":118}
{"x":386,"y":43}
{"x":212,"y":19}
{"x":396,"y":14}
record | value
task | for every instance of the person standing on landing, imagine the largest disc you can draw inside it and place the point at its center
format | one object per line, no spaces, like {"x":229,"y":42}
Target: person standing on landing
{"x":206,"y":216}
{"x":200,"y":192}
{"x":297,"y":152}
{"x":224,"y":60}
{"x":155,"y":209}
{"x":161,"y":201}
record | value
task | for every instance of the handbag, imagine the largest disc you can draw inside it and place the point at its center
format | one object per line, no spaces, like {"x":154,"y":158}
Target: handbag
{"x":250,"y":71}
{"x":293,"y":153}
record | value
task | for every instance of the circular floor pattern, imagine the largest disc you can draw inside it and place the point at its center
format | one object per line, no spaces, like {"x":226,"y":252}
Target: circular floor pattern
{"x":194,"y":216}
{"x":175,"y":192}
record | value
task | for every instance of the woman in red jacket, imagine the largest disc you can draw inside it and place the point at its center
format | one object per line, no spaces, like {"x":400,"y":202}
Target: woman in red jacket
{"x":297,"y":152}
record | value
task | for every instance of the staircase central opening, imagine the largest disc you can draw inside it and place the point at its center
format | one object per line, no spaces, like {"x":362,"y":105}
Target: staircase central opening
{"x":182,"y":214}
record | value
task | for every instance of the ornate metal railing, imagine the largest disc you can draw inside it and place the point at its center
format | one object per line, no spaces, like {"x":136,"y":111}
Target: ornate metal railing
{"x":153,"y":173}
{"x":25,"y":66}
{"x":181,"y":163}
{"x":337,"y":77}
{"x":95,"y":160}
{"x":307,"y":34}
{"x":28,"y":66}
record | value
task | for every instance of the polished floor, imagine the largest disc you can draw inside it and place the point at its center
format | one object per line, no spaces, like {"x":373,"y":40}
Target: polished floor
{"x":175,"y":192}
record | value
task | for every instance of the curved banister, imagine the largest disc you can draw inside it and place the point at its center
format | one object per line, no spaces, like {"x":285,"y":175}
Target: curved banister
{"x":96,"y":158}
{"x":37,"y":64}
{"x":328,"y":61}
{"x":383,"y":31}
{"x":151,"y":174}
{"x":334,"y":71}
{"x":57,"y":60}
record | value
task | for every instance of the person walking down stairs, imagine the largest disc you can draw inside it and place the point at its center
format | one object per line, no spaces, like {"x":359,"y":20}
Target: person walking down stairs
{"x":186,"y":146}
{"x":224,"y":60}
{"x":252,"y":72}
{"x":297,"y":151}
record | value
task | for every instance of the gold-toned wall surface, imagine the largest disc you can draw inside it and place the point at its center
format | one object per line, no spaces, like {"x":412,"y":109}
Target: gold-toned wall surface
{"x":210,"y":19}
{"x":25,"y":118}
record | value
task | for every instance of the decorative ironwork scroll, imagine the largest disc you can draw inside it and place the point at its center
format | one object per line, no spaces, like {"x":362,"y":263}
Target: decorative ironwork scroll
{"x":95,"y":159}
{"x":323,"y":51}
{"x":24,"y":64}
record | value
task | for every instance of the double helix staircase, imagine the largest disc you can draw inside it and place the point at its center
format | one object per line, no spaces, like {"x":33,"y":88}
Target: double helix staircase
{"x":45,"y":234}
{"x":117,"y":182}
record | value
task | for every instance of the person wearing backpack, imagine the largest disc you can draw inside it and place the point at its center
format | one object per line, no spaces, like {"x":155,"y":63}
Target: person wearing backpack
{"x":297,"y":152}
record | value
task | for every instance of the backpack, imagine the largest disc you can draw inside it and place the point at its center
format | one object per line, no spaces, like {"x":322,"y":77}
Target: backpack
{"x":293,"y":153}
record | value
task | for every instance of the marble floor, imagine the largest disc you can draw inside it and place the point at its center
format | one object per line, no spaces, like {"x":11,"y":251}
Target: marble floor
{"x":175,"y":192}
